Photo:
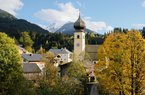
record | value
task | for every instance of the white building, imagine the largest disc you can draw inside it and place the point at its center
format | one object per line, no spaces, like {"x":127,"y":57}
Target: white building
{"x":62,"y":55}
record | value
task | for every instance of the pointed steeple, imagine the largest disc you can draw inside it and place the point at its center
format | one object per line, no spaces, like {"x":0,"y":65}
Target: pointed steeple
{"x":79,"y":24}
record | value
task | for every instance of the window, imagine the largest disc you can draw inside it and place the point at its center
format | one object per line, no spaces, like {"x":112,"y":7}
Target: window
{"x":58,"y":56}
{"x":78,"y":36}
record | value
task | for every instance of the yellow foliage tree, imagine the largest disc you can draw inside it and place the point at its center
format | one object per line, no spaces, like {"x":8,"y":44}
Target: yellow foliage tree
{"x":123,"y":73}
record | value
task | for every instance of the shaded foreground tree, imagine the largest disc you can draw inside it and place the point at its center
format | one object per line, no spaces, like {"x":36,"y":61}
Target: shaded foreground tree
{"x":123,"y":72}
{"x":53,"y":84}
{"x":77,"y":74}
{"x":76,"y":70}
{"x":10,"y":68}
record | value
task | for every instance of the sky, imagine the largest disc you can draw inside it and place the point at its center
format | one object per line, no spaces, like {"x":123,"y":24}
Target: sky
{"x":99,"y":15}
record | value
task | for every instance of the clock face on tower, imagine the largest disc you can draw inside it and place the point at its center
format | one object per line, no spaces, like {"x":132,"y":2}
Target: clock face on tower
{"x":78,"y":44}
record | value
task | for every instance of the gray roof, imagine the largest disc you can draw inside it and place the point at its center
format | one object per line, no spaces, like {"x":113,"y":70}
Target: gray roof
{"x":91,"y":50}
{"x":60,"y":51}
{"x":31,"y":68}
{"x":32,"y":57}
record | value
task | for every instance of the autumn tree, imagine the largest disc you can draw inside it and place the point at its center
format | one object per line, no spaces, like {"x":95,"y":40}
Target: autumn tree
{"x":41,"y":50}
{"x":121,"y":68}
{"x":136,"y":54}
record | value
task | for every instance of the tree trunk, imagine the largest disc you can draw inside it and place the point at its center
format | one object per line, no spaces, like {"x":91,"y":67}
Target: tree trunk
{"x":132,"y":72}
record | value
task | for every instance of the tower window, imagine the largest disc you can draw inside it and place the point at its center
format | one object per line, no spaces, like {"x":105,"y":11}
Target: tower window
{"x":78,"y":36}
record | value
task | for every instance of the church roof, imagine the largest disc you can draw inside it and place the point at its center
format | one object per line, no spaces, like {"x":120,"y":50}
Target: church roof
{"x":91,"y":50}
{"x":79,"y":24}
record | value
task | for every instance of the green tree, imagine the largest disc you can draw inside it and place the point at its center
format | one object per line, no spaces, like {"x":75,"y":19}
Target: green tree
{"x":26,"y":41}
{"x":10,"y":67}
{"x":50,"y":77}
{"x":76,"y":74}
{"x":69,"y":84}
{"x":78,"y":68}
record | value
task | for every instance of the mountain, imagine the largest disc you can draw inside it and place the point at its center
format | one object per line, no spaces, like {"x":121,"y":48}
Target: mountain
{"x":13,"y":26}
{"x":68,"y":28}
{"x":52,"y":27}
{"x":6,"y":15}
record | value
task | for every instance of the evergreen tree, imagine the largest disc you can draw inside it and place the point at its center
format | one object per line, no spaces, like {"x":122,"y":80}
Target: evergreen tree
{"x":26,"y":41}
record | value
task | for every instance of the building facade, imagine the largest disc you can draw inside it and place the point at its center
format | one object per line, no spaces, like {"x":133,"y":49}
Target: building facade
{"x":62,"y":56}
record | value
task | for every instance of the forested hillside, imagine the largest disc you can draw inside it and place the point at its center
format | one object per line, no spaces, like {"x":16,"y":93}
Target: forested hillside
{"x":13,"y":26}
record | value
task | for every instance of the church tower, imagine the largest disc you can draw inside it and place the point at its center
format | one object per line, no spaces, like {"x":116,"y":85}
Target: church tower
{"x":79,"y":38}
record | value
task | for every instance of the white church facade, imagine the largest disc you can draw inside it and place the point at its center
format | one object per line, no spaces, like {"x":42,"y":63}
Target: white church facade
{"x":80,"y":47}
{"x":79,"y":38}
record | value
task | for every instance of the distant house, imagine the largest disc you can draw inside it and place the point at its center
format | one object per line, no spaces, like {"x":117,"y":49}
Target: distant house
{"x":62,"y":55}
{"x":32,"y":71}
{"x":33,"y":58}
